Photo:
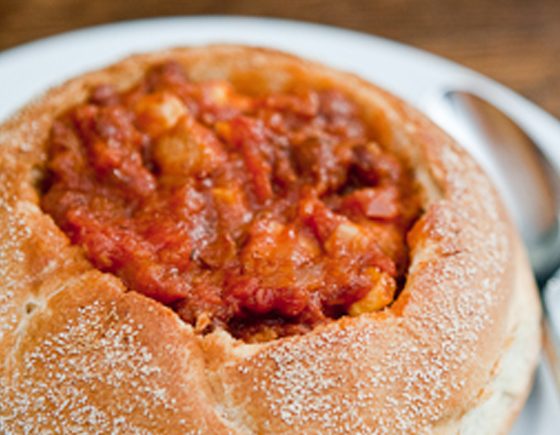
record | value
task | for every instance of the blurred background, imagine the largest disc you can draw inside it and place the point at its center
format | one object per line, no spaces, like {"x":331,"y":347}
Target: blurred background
{"x":516,"y":42}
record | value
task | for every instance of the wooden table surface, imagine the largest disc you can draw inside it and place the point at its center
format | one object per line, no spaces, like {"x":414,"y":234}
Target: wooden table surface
{"x":516,"y":42}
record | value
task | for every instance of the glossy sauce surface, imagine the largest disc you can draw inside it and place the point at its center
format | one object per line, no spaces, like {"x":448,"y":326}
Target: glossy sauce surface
{"x":266,"y":215}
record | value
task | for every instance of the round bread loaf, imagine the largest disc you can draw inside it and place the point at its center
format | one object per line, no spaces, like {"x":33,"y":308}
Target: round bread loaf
{"x":79,"y":352}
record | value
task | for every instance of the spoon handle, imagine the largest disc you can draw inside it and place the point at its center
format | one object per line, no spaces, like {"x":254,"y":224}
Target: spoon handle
{"x":551,"y":305}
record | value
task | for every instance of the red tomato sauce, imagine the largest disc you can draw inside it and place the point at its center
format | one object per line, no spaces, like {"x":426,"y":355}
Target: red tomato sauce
{"x":264,"y":215}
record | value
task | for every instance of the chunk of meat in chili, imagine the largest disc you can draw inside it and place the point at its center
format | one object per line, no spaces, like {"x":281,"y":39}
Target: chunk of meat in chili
{"x":265,"y":215}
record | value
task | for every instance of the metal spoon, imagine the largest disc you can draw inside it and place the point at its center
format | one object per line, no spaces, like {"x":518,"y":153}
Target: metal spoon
{"x":530,"y":187}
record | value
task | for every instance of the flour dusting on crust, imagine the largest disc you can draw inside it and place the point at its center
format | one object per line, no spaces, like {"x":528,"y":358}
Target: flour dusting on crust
{"x":72,"y":375}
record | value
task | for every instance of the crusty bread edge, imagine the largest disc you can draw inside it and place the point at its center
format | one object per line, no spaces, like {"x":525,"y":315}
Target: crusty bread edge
{"x":506,"y":394}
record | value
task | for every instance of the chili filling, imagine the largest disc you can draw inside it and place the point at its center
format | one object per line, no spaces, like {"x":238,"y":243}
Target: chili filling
{"x":265,"y":215}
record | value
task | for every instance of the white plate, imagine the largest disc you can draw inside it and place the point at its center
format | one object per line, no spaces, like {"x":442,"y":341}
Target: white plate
{"x":415,"y":75}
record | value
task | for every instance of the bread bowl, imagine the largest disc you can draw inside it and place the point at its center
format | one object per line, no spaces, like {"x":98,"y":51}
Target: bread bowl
{"x":453,"y":352}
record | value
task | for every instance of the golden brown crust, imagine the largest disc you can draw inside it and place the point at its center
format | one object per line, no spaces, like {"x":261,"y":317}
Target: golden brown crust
{"x":78,"y":352}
